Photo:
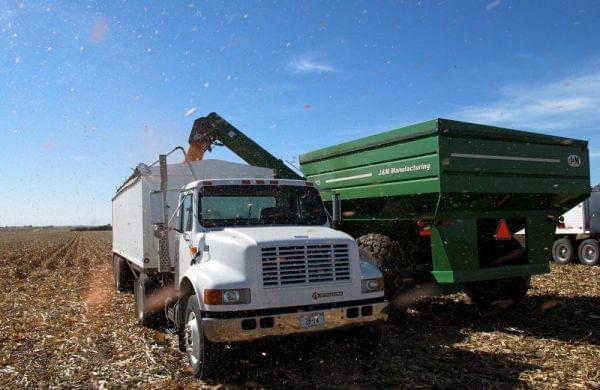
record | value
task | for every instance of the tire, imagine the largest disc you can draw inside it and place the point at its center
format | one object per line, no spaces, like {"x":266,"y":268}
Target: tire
{"x":589,"y":252}
{"x":148,"y":313}
{"x":121,"y":274}
{"x":562,"y":251}
{"x":503,"y":292}
{"x":203,"y":356}
{"x":387,"y":254}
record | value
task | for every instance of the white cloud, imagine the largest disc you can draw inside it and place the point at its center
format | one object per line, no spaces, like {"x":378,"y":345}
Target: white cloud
{"x":307,"y":64}
{"x":571,"y":104}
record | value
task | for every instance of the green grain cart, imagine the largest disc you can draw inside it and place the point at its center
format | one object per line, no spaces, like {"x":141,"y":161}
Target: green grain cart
{"x":441,"y":200}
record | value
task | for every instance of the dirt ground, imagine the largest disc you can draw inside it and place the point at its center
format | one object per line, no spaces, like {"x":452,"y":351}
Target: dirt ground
{"x":62,"y":324}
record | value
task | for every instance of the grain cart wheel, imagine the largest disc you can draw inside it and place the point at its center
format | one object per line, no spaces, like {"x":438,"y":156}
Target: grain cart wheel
{"x":387,"y":255}
{"x":562,"y":251}
{"x":147,"y":310}
{"x":589,"y":253}
{"x":203,"y":355}
{"x":121,"y":274}
{"x":500,"y":292}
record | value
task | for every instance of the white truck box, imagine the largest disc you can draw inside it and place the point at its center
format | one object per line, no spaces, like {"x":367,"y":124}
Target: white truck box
{"x":583,"y":218}
{"x":133,"y":237}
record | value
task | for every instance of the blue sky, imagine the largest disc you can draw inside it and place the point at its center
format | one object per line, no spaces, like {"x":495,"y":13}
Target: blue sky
{"x":90,"y":89}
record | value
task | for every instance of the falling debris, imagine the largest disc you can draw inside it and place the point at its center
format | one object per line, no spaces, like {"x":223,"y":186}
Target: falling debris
{"x":492,"y":5}
{"x":191,"y":111}
{"x":99,"y":31}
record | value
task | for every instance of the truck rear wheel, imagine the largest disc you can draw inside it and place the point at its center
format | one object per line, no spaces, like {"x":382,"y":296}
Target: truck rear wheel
{"x":501,"y":291}
{"x":562,"y":251}
{"x":121,"y":274}
{"x":589,"y":253}
{"x":388,"y":256}
{"x":147,"y":310}
{"x":201,"y":353}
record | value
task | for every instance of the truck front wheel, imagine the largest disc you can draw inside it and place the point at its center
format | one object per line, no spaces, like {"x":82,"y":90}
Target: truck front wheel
{"x":589,"y":253}
{"x":201,"y":353}
{"x":562,"y":251}
{"x":147,"y":310}
{"x":501,"y":291}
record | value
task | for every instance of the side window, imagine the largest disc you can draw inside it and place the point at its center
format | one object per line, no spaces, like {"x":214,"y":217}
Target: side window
{"x":186,"y":214}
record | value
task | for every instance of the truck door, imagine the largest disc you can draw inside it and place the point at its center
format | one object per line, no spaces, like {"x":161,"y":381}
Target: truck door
{"x":184,"y":256}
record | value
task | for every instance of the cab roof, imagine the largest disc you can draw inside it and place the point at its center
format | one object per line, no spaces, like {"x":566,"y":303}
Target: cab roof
{"x":247,"y":181}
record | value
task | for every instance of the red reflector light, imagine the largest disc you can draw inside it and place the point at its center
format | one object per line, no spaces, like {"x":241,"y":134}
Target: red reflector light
{"x":502,"y":231}
{"x":425,"y":232}
{"x":245,"y":182}
{"x":561,"y":226}
{"x":260,"y":181}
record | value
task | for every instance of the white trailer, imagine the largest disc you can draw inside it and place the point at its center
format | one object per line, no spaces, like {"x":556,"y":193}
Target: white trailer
{"x":224,"y":252}
{"x":578,"y":232}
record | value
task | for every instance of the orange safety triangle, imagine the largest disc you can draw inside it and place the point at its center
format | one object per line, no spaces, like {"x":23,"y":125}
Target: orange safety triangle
{"x":502,"y":231}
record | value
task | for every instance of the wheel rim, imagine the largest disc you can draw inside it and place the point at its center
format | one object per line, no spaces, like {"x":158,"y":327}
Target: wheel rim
{"x":563,"y":253}
{"x":193,"y":341}
{"x":589,"y":253}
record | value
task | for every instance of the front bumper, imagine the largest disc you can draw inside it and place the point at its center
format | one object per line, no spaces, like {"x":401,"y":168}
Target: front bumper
{"x":231,"y":330}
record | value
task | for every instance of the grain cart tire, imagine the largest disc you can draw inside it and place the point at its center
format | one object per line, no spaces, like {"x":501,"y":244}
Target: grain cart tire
{"x":500,"y":292}
{"x":147,"y":311}
{"x":562,"y":251}
{"x":203,"y":355}
{"x":387,"y":254}
{"x":589,"y":252}
{"x":121,"y":274}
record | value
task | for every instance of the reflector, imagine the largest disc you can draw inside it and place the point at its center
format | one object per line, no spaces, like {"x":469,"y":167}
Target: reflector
{"x":502,"y":231}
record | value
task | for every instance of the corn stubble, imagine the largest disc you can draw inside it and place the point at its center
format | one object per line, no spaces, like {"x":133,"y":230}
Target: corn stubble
{"x":62,"y":324}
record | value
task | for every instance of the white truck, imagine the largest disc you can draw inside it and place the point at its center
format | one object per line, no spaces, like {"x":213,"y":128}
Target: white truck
{"x":225,"y":252}
{"x":579,"y":229}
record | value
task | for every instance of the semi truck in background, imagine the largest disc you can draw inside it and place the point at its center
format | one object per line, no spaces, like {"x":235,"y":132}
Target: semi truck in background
{"x":225,"y":252}
{"x":578,"y":232}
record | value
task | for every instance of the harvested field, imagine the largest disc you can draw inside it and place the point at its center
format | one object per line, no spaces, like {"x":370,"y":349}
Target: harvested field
{"x":62,"y":324}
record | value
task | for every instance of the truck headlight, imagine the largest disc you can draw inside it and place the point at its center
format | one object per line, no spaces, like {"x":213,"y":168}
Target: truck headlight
{"x":372,"y":285}
{"x":227,"y":297}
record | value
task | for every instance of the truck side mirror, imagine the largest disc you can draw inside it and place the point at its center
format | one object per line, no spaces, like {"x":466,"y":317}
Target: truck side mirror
{"x":157,"y":208}
{"x":336,"y":208}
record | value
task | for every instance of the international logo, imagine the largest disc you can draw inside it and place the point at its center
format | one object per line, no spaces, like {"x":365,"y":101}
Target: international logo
{"x":317,"y":295}
{"x":574,"y":161}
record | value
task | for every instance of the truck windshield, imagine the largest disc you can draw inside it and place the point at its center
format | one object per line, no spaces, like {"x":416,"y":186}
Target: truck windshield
{"x":221,"y":206}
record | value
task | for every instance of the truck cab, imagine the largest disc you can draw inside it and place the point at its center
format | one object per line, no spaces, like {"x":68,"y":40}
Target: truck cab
{"x":229,"y":252}
{"x":257,"y":258}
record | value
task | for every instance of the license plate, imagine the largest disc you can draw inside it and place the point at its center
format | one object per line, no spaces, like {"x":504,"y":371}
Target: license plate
{"x":310,"y":320}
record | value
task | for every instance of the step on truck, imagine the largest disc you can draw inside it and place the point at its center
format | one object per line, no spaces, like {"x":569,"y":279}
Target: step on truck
{"x":225,"y":252}
{"x":441,"y":200}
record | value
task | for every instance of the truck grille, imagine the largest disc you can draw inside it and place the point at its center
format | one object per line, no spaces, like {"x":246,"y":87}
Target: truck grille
{"x":304,"y":264}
